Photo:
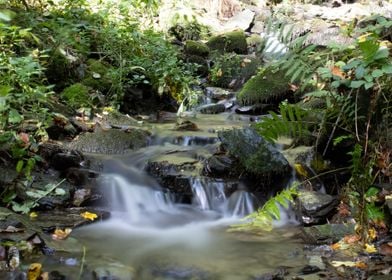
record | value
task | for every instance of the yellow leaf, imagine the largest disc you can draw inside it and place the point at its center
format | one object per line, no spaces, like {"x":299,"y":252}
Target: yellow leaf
{"x":372,"y":233}
{"x":60,"y":234}
{"x":361,"y":265}
{"x":89,"y":216}
{"x":300,"y":170}
{"x":34,"y":271}
{"x":370,"y":248}
{"x":363,"y":37}
{"x":33,"y":215}
{"x":347,"y":263}
{"x":335,"y":246}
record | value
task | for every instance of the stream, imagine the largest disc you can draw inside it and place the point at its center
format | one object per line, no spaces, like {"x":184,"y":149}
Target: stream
{"x":154,"y":234}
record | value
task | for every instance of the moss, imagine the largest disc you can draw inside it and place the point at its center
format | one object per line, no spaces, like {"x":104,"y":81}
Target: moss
{"x":77,"y":95}
{"x":59,"y":71}
{"x":202,"y":64}
{"x":232,"y":70}
{"x":98,"y":75}
{"x":234,"y":41}
{"x":196,"y":48}
{"x":268,"y":86}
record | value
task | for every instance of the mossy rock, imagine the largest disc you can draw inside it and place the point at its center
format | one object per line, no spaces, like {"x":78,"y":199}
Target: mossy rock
{"x":60,"y":70}
{"x":233,"y":70}
{"x":98,"y":75}
{"x":269,"y":86}
{"x":234,"y":41}
{"x":196,"y":48}
{"x":77,"y":95}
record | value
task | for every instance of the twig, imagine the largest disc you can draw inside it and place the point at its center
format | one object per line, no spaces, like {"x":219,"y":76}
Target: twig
{"x":82,"y":263}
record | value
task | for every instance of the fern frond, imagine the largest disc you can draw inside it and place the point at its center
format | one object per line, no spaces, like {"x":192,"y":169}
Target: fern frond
{"x":290,"y":123}
{"x":264,"y":217}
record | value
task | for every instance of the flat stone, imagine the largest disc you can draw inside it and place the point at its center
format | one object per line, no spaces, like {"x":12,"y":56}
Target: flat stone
{"x":326,"y":234}
{"x":212,"y":108}
{"x":242,"y":20}
{"x":217,"y":93}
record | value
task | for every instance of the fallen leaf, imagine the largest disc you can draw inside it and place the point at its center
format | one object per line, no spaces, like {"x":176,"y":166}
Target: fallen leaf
{"x":33,"y":215}
{"x":60,"y":234}
{"x":89,"y":216}
{"x":24,"y":137}
{"x":370,"y":248}
{"x":34,"y":271}
{"x":361,"y":265}
{"x":301,"y":170}
{"x":372,"y":233}
{"x":335,"y":246}
{"x":353,"y":238}
{"x":336,"y":71}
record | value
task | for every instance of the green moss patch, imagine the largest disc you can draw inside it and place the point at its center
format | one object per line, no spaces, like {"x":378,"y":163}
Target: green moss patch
{"x":98,"y":75}
{"x":268,"y":86}
{"x":196,"y":48}
{"x":234,"y":41}
{"x":76,"y":95}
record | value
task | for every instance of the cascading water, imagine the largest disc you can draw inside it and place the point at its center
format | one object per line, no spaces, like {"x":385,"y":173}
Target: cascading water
{"x":155,"y":234}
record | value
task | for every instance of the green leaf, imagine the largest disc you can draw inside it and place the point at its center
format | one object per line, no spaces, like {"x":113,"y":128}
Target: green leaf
{"x":360,"y":72}
{"x":19,"y":166}
{"x":372,"y":191}
{"x":381,"y":54}
{"x":14,"y":117}
{"x":356,"y":84}
{"x":5,"y":90}
{"x":377,"y":73}
{"x":59,"y":191}
{"x":6,"y":15}
{"x":387,"y":68}
{"x":369,"y":85}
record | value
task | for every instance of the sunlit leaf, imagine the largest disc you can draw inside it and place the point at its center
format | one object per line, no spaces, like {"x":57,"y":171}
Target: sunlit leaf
{"x":89,"y":216}
{"x":14,"y":117}
{"x":60,"y":234}
{"x":301,"y":170}
{"x":33,"y":215}
{"x":34,"y":271}
{"x":370,"y":248}
{"x":341,"y":263}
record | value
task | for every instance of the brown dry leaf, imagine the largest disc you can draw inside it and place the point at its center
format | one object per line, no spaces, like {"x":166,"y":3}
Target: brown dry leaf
{"x":24,"y":137}
{"x":350,"y":239}
{"x":60,"y":234}
{"x":343,"y":210}
{"x":34,"y":272}
{"x":336,"y":71}
{"x":89,"y":216}
{"x":347,"y":263}
{"x":361,"y":265}
{"x":44,"y":276}
{"x":335,"y":246}
{"x":372,"y":233}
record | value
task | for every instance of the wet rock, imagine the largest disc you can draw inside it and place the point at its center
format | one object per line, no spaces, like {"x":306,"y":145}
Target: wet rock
{"x":61,"y":128}
{"x":172,"y":176}
{"x":326,"y":234}
{"x":221,"y":166}
{"x":255,"y":154}
{"x":63,"y":161}
{"x":256,"y":109}
{"x":80,"y":176}
{"x":67,"y":218}
{"x":315,"y":207}
{"x":212,"y":108}
{"x":228,"y":103}
{"x":185,"y":125}
{"x":81,"y":196}
{"x":178,"y":273}
{"x":111,"y":141}
{"x":216,"y":93}
{"x":56,"y":275}
{"x":114,"y":271}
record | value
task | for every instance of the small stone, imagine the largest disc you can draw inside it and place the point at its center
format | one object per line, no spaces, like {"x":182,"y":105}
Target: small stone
{"x":212,"y":109}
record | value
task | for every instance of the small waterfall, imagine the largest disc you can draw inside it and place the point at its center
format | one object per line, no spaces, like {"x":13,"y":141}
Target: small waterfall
{"x":136,"y":201}
{"x":210,"y":195}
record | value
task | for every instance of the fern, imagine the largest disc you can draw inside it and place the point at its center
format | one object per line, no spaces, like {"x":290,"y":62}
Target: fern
{"x":264,"y":217}
{"x":291,"y":122}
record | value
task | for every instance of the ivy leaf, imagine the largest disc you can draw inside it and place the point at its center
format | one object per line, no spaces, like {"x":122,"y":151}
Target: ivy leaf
{"x":14,"y":117}
{"x":377,"y":73}
{"x":357,"y":84}
{"x":369,"y":85}
{"x":387,"y":68}
{"x":360,"y":72}
{"x":381,"y":53}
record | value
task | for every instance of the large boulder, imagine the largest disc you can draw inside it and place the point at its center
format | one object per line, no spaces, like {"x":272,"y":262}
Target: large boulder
{"x":314,"y":207}
{"x":234,"y":41}
{"x":269,"y":86}
{"x":111,"y":141}
{"x":256,"y":155}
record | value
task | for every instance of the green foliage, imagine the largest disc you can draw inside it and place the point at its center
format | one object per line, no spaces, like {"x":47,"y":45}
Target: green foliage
{"x":184,"y":28}
{"x":33,"y":197}
{"x":291,"y":122}
{"x":263,"y":218}
{"x":77,"y":96}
